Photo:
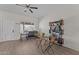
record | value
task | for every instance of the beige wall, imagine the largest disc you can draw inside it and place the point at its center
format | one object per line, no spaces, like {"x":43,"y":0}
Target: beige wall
{"x":71,"y":30}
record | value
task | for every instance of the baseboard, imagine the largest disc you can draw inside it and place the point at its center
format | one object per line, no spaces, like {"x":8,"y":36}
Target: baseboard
{"x":71,"y":48}
{"x":8,"y":40}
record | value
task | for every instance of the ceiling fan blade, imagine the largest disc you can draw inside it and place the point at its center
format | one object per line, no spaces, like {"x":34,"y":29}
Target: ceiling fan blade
{"x":30,"y":10}
{"x":33,"y":7}
{"x":20,"y":5}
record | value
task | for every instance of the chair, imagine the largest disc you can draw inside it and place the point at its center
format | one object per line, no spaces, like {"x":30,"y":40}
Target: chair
{"x":41,"y":37}
{"x":52,"y":41}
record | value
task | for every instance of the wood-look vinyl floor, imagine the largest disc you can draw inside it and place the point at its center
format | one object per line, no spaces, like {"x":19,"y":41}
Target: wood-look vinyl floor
{"x":29,"y":47}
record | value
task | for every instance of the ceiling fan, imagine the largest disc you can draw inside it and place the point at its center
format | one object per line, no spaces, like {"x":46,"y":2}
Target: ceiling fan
{"x":27,"y":6}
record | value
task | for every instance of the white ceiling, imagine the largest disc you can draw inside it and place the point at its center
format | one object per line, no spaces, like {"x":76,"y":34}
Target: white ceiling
{"x":43,"y":10}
